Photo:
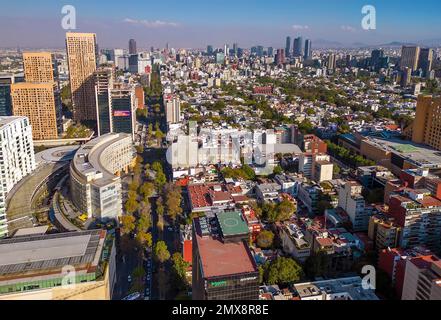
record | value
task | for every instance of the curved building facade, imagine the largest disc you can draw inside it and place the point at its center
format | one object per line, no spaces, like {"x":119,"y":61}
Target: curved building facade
{"x":95,"y":175}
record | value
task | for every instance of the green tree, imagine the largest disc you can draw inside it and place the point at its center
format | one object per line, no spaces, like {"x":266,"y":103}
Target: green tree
{"x":173,"y":199}
{"x":284,"y":271}
{"x":161,"y":252}
{"x":180,"y":268}
{"x":131,"y":206}
{"x":265,"y":239}
{"x":147,"y":189}
{"x":128,"y":223}
{"x":278,"y":170}
{"x":145,"y":238}
{"x":160,"y":207}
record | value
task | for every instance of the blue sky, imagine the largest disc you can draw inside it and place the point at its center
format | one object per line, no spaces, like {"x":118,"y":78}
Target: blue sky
{"x":195,"y":23}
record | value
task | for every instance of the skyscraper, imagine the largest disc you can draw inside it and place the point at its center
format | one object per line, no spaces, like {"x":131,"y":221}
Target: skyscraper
{"x":81,"y":54}
{"x":288,"y":47}
{"x":259,"y":51}
{"x":270,"y":51}
{"x":39,"y":67}
{"x":425,"y":61}
{"x":132,"y":47}
{"x":18,"y":160}
{"x":409,"y":57}
{"x":104,"y":78}
{"x":210,"y":50}
{"x":332,"y":61}
{"x":235,"y":49}
{"x":376,"y":57}
{"x":172,"y":109}
{"x":427,"y":124}
{"x":280,"y":56}
{"x":37,"y":102}
{"x":308,"y":50}
{"x":298,"y":47}
{"x":123,"y":101}
{"x":5,"y":93}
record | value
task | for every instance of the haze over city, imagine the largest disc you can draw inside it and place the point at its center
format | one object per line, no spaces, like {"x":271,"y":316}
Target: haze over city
{"x":153,"y":23}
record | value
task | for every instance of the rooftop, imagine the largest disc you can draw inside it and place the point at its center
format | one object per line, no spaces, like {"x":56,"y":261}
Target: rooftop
{"x":47,"y":252}
{"x":87,"y":160}
{"x":232,"y":223}
{"x":420,"y":155}
{"x":219,"y":258}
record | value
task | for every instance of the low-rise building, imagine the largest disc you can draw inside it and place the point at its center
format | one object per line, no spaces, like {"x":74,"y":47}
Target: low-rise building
{"x":67,"y":266}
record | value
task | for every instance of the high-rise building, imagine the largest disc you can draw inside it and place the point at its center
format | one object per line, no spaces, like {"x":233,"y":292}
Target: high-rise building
{"x":223,"y":267}
{"x":82,"y":58}
{"x":418,"y":214}
{"x":39,"y":67}
{"x":220,"y":58}
{"x":5,"y":93}
{"x":124,"y":103}
{"x":409,"y":57}
{"x":426,"y":127}
{"x":280,"y":57}
{"x":132,"y":47}
{"x":37,"y":102}
{"x":425,"y":61}
{"x":376,"y":57}
{"x":259,"y":51}
{"x":95,"y":171}
{"x":235,"y":49}
{"x":298,"y":47}
{"x":308,"y":50}
{"x":422,"y":279}
{"x":210,"y":50}
{"x":270,"y":51}
{"x":351,"y":200}
{"x":17,"y":159}
{"x":104,"y":79}
{"x":288,"y":47}
{"x":172,"y":108}
{"x":332,"y":61}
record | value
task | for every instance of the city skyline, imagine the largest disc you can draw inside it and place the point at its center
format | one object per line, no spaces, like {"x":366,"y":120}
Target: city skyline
{"x":197,"y":24}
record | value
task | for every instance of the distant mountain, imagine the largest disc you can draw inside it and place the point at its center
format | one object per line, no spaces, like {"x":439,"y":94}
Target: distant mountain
{"x":322,"y":43}
{"x":396,"y":44}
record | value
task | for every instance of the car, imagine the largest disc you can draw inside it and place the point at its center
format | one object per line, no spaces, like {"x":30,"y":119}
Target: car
{"x":133,"y":296}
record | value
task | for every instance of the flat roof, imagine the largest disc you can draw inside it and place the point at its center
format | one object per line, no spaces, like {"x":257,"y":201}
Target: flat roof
{"x":7,"y":120}
{"x":422,"y":156}
{"x":232,"y":223}
{"x":44,"y":252}
{"x":219,"y":258}
{"x":87,"y":158}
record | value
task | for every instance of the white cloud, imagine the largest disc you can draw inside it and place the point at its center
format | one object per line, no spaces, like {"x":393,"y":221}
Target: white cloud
{"x":348,"y":28}
{"x":151,"y":24}
{"x":300,"y":27}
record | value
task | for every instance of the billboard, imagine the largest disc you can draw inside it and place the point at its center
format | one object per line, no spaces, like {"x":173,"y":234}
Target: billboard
{"x":121,"y":113}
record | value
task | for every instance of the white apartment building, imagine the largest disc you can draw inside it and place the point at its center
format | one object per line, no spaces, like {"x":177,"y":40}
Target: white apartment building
{"x":95,"y":175}
{"x":351,"y":200}
{"x":17,"y":159}
{"x":172,"y":109}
